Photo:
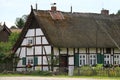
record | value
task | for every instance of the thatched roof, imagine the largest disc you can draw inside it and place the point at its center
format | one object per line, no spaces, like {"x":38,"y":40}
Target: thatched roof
{"x":75,"y":30}
{"x":81,"y":29}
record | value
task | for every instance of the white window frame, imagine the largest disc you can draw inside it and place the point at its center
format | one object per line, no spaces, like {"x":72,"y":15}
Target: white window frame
{"x":116,"y":59}
{"x":93,"y":59}
{"x":30,"y":60}
{"x":82,"y":59}
{"x":107,"y":58}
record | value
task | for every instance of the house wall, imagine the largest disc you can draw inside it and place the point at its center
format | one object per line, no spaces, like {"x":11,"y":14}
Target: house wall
{"x":39,"y":47}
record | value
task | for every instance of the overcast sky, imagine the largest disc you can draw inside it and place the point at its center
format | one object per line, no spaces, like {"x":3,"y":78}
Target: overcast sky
{"x":10,"y":9}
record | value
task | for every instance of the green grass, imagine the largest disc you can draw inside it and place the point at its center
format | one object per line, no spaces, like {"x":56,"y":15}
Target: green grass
{"x":59,"y":76}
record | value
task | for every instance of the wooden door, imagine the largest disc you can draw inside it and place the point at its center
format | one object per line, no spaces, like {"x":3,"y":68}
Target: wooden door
{"x":63,"y":60}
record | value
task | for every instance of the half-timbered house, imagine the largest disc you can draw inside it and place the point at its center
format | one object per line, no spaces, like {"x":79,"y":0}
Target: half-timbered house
{"x":4,"y":33}
{"x":56,"y":40}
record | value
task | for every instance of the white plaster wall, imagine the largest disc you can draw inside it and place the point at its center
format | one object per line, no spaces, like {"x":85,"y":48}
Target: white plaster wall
{"x":45,"y":68}
{"x":17,"y":52}
{"x":70,"y":52}
{"x":48,"y":50}
{"x":56,"y":51}
{"x":38,"y":50}
{"x":30,"y":32}
{"x":38,"y":40}
{"x":45,"y":60}
{"x":38,"y":68}
{"x":44,"y":40}
{"x":71,"y":60}
{"x":39,"y":32}
{"x":30,"y":51}
{"x":39,"y":60}
{"x":116,"y":50}
{"x":22,"y":54}
{"x":21,"y":69}
{"x":63,"y":51}
{"x":20,"y":63}
{"x":76,"y":50}
{"x":98,"y":50}
{"x":24,"y":42}
{"x":92,"y":50}
{"x":82,"y":50}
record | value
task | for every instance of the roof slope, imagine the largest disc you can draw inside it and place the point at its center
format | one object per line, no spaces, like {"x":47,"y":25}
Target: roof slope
{"x":81,"y":29}
{"x":75,"y":30}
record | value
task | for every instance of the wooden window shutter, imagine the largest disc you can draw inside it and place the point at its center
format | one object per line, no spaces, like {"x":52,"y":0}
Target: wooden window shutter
{"x":24,"y":61}
{"x":76,"y":60}
{"x":100,"y":58}
{"x":35,"y":60}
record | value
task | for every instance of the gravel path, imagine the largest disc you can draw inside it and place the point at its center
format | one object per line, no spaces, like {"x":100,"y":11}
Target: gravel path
{"x":43,"y":78}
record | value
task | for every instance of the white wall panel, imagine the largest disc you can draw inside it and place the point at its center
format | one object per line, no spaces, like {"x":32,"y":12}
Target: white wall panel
{"x":39,"y":60}
{"x":45,"y":68}
{"x":56,"y":51}
{"x":116,"y":50}
{"x":21,"y":69}
{"x":38,"y":50}
{"x":38,"y":40}
{"x":17,"y":52}
{"x":70,"y":52}
{"x":30,"y":51}
{"x":23,"y":52}
{"x":92,"y":50}
{"x":63,"y":50}
{"x":45,"y":60}
{"x":30,"y":32}
{"x":44,"y":40}
{"x":82,"y":50}
{"x":48,"y":50}
{"x":71,"y":61}
{"x":24,"y":42}
{"x":39,"y":32}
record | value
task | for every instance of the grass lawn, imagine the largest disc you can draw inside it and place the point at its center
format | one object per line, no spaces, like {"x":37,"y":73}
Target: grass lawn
{"x":61,"y":76}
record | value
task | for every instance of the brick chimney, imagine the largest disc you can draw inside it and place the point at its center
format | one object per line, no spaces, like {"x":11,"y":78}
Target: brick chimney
{"x":53,"y":7}
{"x":105,"y":12}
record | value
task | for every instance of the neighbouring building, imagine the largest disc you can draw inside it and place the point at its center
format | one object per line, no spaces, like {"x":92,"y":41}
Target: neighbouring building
{"x":4,"y":33}
{"x":55,"y":40}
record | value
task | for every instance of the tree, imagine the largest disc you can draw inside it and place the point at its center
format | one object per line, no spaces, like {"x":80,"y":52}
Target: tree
{"x":118,"y":13}
{"x":20,"y":22}
{"x":5,"y":48}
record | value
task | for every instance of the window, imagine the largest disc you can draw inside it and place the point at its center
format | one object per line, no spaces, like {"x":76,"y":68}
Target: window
{"x":30,"y":41}
{"x":30,"y":60}
{"x":107,"y":58}
{"x":82,"y":59}
{"x":116,"y":59}
{"x":93,"y":60}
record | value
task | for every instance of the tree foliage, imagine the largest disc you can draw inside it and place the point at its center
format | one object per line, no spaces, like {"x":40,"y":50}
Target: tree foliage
{"x":20,"y":22}
{"x":118,"y":13}
{"x":5,"y":47}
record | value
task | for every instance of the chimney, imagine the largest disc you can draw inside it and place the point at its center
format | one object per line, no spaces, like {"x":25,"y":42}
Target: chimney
{"x":71,"y":9}
{"x":53,"y":7}
{"x":105,"y":12}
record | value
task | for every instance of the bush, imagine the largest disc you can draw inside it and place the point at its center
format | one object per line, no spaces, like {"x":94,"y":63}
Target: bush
{"x":97,"y":71}
{"x":40,"y":73}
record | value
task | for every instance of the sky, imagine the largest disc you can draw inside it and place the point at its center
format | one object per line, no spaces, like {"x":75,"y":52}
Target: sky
{"x":11,"y":9}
